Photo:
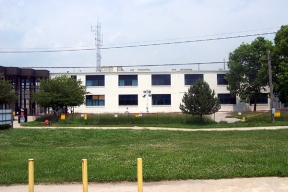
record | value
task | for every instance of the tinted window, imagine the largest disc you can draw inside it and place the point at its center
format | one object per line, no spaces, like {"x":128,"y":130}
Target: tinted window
{"x":221,"y":80}
{"x":128,"y":80}
{"x":262,"y":99}
{"x":161,"y":99}
{"x":128,"y":99}
{"x":227,"y":99}
{"x":161,"y":79}
{"x":191,"y":78}
{"x":95,"y":80}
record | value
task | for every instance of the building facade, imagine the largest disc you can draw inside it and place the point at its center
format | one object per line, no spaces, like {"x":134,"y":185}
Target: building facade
{"x":25,"y":82}
{"x":142,"y":91}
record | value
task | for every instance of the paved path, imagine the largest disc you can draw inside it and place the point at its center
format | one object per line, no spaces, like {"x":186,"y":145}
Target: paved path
{"x":266,"y":184}
{"x":17,"y":126}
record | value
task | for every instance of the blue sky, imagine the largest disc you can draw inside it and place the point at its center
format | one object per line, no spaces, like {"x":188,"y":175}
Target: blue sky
{"x":61,"y":24}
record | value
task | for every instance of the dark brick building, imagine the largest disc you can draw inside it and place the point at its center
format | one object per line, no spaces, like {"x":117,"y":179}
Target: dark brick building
{"x":25,"y":82}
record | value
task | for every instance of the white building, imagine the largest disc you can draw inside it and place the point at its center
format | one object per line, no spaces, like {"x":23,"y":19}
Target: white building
{"x":138,"y":91}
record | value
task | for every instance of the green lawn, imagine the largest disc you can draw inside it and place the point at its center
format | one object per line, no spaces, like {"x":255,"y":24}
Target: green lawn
{"x":167,"y":155}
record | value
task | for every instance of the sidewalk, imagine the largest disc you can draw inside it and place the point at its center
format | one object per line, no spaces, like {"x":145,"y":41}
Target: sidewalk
{"x":265,"y":184}
{"x":16,"y":125}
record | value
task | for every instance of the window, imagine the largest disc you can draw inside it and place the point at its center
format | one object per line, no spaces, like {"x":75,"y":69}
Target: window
{"x":161,"y":79}
{"x":191,"y":78}
{"x":128,"y":99}
{"x":37,"y":83}
{"x":74,"y":77}
{"x":227,"y":99}
{"x":95,"y":100}
{"x":161,"y":99}
{"x":262,"y":99}
{"x":128,"y":80}
{"x":221,"y":80}
{"x":95,"y":80}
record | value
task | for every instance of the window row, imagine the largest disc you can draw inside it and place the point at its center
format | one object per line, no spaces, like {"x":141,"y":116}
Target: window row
{"x":229,"y":99}
{"x":163,"y":99}
{"x":99,"y":100}
{"x":157,"y":79}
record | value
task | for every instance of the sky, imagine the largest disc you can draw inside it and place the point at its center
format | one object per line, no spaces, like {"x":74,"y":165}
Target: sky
{"x":38,"y":26}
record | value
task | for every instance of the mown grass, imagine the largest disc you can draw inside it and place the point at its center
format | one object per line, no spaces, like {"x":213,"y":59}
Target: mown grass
{"x":167,"y":155}
{"x":253,"y":119}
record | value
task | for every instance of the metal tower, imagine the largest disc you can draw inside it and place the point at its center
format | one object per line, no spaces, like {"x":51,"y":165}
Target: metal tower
{"x":98,"y":44}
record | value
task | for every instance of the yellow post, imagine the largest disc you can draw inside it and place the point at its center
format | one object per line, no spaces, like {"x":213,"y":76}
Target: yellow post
{"x":62,"y":117}
{"x":139,"y":175}
{"x":85,"y":116}
{"x":243,"y":118}
{"x":30,"y":175}
{"x":84,"y":175}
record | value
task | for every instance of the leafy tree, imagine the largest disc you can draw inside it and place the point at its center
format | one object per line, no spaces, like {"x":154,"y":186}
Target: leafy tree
{"x":6,"y":94}
{"x":200,"y":100}
{"x":60,"y":92}
{"x":248,"y":70}
{"x":280,"y":65}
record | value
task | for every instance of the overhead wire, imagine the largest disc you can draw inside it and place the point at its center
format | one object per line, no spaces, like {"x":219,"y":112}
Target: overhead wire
{"x":198,"y":36}
{"x":144,"y":65}
{"x":152,"y":65}
{"x":139,"y":45}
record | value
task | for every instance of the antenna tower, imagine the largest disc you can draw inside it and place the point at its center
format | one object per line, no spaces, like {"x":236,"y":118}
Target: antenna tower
{"x":98,"y":44}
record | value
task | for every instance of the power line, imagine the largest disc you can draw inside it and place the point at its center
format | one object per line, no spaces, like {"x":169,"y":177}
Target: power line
{"x":151,"y":65}
{"x":140,"y":45}
{"x":148,"y":65}
{"x":145,"y":65}
{"x":158,"y":40}
{"x":192,"y":41}
{"x":198,"y":36}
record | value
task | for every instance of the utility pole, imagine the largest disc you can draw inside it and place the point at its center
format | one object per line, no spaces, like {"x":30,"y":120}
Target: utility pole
{"x":98,"y":44}
{"x":272,"y":109}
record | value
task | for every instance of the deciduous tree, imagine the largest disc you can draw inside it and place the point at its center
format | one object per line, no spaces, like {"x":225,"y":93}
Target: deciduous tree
{"x":60,"y":92}
{"x":248,"y":70}
{"x":280,"y":65}
{"x":200,"y":100}
{"x":7,"y":95}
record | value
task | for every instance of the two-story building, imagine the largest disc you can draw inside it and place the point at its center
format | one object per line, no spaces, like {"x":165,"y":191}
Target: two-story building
{"x":141,"y":90}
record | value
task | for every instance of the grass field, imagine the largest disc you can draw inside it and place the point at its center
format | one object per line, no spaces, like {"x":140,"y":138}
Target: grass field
{"x":167,"y":155}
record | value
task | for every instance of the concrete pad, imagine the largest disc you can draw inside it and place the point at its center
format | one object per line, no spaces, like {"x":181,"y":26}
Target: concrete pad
{"x":265,"y":184}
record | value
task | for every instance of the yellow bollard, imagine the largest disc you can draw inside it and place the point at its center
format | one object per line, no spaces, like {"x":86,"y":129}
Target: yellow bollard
{"x":62,"y":117}
{"x":139,"y":175}
{"x":30,"y":175}
{"x":85,"y":116}
{"x":84,"y":175}
{"x":243,"y":118}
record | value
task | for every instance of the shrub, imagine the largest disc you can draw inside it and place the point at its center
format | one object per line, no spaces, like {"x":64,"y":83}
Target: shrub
{"x":5,"y":126}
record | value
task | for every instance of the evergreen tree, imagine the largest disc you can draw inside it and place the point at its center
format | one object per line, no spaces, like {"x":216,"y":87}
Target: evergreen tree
{"x":200,"y":100}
